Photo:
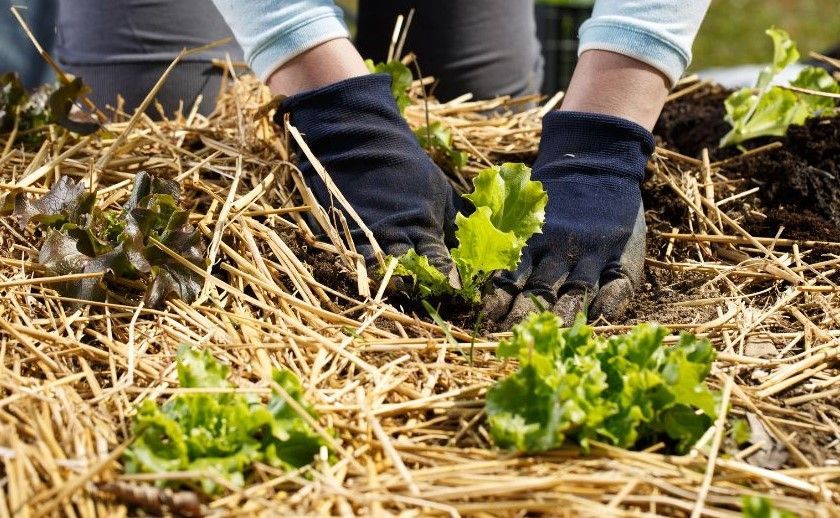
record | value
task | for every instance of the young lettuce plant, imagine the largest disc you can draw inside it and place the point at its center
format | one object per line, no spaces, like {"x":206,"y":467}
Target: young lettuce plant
{"x":623,"y":390}
{"x":222,"y":432}
{"x":29,"y":112}
{"x":82,"y":238}
{"x":509,"y":209}
{"x":768,"y":110}
{"x":437,"y":140}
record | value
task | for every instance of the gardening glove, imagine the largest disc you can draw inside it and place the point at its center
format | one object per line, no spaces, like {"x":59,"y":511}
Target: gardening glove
{"x":356,"y":131}
{"x":592,"y":246}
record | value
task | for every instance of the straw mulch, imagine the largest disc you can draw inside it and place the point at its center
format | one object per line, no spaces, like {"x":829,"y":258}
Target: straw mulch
{"x":404,"y":399}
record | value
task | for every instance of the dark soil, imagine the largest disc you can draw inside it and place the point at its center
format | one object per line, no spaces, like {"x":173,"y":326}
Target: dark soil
{"x":799,"y":182}
{"x":330,"y":272}
{"x":693,"y":122}
{"x":326,"y":268}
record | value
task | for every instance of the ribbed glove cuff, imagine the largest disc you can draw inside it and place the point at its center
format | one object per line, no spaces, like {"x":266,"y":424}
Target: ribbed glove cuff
{"x":592,"y":143}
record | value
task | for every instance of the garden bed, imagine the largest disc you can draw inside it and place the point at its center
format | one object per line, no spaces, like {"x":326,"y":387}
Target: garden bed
{"x":404,"y":397}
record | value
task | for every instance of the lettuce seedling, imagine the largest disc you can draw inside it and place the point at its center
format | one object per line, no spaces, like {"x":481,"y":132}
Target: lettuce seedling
{"x":768,"y":110}
{"x":82,"y":238}
{"x":222,"y":432}
{"x":31,"y":111}
{"x":625,"y":390}
{"x":509,"y":209}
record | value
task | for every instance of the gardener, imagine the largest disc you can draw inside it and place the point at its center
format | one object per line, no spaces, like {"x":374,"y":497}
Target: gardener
{"x":593,"y":150}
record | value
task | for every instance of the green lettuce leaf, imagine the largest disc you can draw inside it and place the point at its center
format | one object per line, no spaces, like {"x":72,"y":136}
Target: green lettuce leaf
{"x":437,"y":140}
{"x":510,"y":208}
{"x":625,"y":390}
{"x":427,"y":279}
{"x":817,"y":79}
{"x":785,"y":54}
{"x":224,"y":433}
{"x":482,"y":249}
{"x":761,"y":507}
{"x":769,"y":110}
{"x":517,"y":203}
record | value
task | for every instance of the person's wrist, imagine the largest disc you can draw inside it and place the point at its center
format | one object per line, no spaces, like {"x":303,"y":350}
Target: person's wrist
{"x":614,"y":84}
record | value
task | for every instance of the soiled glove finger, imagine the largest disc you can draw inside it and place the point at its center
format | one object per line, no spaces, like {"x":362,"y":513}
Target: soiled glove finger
{"x":503,"y":289}
{"x":357,"y":132}
{"x":591,"y":166}
{"x":540,"y":292}
{"x":573,"y":300}
{"x":620,"y":281}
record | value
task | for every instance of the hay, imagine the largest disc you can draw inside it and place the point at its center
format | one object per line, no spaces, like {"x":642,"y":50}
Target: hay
{"x":403,"y":396}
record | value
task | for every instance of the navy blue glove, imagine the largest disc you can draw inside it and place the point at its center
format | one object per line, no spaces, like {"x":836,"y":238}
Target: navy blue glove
{"x":356,"y":131}
{"x":590,"y":255}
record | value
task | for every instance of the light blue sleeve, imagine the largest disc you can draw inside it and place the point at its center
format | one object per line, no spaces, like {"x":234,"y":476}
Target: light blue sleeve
{"x":657,"y":32}
{"x":271,"y":32}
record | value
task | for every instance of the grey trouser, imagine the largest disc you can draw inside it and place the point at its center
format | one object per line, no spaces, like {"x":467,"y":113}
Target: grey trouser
{"x":17,"y":53}
{"x":123,"y":46}
{"x":487,"y":47}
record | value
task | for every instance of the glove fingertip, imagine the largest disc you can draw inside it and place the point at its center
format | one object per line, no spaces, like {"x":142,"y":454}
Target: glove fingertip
{"x":613,"y":299}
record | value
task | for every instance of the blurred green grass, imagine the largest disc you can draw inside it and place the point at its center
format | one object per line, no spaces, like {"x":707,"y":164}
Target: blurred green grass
{"x":733,"y":32}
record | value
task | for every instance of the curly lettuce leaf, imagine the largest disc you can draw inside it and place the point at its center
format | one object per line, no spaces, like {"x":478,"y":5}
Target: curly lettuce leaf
{"x":769,"y":110}
{"x":510,"y":208}
{"x":427,"y":279}
{"x":626,"y":390}
{"x":482,"y":249}
{"x":785,"y":54}
{"x":65,"y":202}
{"x":817,"y":79}
{"x":517,"y":203}
{"x":224,"y":433}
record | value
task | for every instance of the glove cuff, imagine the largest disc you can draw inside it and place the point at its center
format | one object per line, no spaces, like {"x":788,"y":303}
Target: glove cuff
{"x":593,"y":144}
{"x":359,"y":94}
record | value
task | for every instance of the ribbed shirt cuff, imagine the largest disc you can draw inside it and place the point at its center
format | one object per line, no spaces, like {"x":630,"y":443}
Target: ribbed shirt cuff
{"x":298,"y":39}
{"x":634,"y":42}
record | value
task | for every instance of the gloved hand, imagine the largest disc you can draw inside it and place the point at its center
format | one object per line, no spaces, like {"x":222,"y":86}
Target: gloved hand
{"x":356,"y":131}
{"x":590,"y":255}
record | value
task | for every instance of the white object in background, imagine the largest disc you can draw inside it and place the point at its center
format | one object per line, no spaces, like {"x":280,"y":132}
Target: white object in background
{"x":746,"y":75}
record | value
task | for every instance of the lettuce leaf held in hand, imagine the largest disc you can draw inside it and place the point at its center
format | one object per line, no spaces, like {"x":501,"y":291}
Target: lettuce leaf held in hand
{"x":510,"y":208}
{"x":627,"y":390}
{"x":119,"y":244}
{"x":768,"y":110}
{"x":221,"y":432}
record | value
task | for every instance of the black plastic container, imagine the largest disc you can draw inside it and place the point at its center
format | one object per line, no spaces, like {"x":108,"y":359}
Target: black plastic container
{"x":557,"y":30}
